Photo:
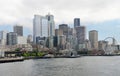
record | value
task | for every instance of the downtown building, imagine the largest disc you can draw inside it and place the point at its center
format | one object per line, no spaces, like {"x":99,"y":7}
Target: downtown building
{"x":11,"y":38}
{"x":3,"y":37}
{"x":63,"y":28}
{"x":62,"y":36}
{"x":93,"y":37}
{"x":18,"y":29}
{"x":76,"y":22}
{"x":65,"y":37}
{"x":81,"y":36}
{"x":29,"y":39}
{"x":43,"y":29}
{"x":51,"y":30}
{"x":20,"y":38}
{"x":80,"y":33}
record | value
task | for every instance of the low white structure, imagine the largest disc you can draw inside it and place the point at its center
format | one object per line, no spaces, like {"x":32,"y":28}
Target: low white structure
{"x":3,"y":37}
{"x":2,"y":41}
{"x":2,"y":53}
{"x":21,"y":40}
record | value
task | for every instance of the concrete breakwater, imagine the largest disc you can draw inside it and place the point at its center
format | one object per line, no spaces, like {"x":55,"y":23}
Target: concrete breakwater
{"x":5,"y":60}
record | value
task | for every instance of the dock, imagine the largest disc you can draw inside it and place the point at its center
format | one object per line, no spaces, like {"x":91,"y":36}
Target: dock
{"x":6,"y":60}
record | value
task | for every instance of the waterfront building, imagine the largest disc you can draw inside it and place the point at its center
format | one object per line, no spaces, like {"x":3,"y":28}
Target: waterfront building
{"x":2,"y":42}
{"x":51,"y":29}
{"x":80,"y":34}
{"x":19,"y":30}
{"x":3,"y":37}
{"x":93,"y":37}
{"x":76,"y":22}
{"x":67,"y":33}
{"x":44,"y":26}
{"x":21,"y":40}
{"x":118,"y":47}
{"x":40,"y":27}
{"x":29,"y":39}
{"x":87,"y":44}
{"x":11,"y":38}
{"x":74,"y":39}
{"x":64,"y":29}
{"x":62,"y":42}
{"x":102,"y":45}
{"x":51,"y":25}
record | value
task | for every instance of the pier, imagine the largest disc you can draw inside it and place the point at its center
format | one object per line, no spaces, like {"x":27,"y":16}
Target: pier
{"x":16,"y":59}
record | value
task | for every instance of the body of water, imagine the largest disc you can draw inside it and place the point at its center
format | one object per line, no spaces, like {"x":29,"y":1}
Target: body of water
{"x":83,"y":66}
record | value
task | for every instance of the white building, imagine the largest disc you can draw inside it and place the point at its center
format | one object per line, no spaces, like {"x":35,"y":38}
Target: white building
{"x":43,"y":26}
{"x":3,"y":37}
{"x":21,"y":40}
{"x":3,"y":41}
{"x":40,"y":27}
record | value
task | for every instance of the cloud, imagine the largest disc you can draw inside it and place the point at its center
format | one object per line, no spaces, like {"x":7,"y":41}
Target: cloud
{"x":94,"y":11}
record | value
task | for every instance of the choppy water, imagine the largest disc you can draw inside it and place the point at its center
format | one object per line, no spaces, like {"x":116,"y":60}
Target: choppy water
{"x":83,"y":66}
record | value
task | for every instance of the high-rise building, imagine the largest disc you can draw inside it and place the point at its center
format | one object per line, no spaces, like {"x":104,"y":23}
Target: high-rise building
{"x":19,"y":30}
{"x":93,"y":37}
{"x":64,"y":29}
{"x":40,"y":27}
{"x":11,"y":38}
{"x":51,"y":24}
{"x":76,"y":22}
{"x":51,"y":29}
{"x":3,"y":37}
{"x":44,"y":26}
{"x":81,"y":34}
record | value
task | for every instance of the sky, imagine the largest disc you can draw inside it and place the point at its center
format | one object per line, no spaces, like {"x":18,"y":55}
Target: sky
{"x":100,"y":15}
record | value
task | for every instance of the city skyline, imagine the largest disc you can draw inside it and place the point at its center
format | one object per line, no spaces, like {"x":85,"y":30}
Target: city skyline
{"x":99,"y":18}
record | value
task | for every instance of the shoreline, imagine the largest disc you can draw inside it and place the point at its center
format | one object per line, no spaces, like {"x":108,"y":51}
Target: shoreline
{"x":18,"y":59}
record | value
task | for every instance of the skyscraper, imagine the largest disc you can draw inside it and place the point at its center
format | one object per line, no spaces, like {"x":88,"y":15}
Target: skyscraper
{"x":81,"y":34}
{"x":51,"y":29}
{"x":64,"y":29}
{"x":40,"y":27}
{"x":19,"y":30}
{"x":93,"y":37}
{"x":11,"y":38}
{"x":76,"y":22}
{"x":51,"y":24}
{"x":43,"y":26}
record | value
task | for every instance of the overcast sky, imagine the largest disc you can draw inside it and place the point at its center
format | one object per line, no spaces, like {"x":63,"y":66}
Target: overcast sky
{"x":93,"y":13}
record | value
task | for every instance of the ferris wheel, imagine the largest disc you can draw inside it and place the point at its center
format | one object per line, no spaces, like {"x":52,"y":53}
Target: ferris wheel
{"x":110,"y":45}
